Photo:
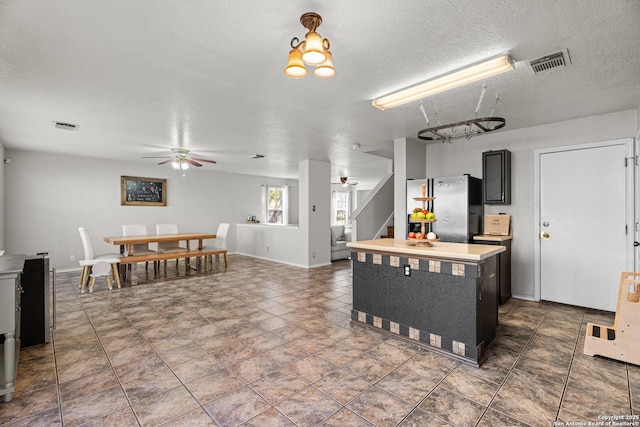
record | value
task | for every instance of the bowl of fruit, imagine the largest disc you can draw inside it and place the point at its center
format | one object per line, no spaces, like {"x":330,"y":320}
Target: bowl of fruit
{"x":422,"y":215}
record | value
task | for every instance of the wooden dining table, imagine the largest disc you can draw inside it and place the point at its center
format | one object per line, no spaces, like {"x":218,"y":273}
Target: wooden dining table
{"x":127,"y":244}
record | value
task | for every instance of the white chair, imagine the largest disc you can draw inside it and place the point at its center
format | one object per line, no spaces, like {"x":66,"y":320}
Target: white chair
{"x":88,"y":247}
{"x":220,"y":242}
{"x":143,"y":248}
{"x":100,"y":269}
{"x":168,"y":247}
{"x":90,"y":259}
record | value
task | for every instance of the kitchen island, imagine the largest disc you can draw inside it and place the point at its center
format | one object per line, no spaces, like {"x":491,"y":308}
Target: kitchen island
{"x":444,"y":296}
{"x":11,"y":267}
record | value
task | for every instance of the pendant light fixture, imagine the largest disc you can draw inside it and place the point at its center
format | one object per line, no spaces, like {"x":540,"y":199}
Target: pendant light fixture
{"x":313,"y":50}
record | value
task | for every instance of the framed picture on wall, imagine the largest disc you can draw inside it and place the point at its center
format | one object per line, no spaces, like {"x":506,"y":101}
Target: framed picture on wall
{"x":138,"y":191}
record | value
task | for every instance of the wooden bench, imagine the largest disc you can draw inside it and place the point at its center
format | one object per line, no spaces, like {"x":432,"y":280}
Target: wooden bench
{"x":200,"y":255}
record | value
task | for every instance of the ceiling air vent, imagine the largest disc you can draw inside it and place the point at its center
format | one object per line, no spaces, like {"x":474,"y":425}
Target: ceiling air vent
{"x":65,"y":126}
{"x":550,"y":62}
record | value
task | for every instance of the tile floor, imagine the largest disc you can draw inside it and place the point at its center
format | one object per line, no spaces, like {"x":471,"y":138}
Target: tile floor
{"x":266,"y":344}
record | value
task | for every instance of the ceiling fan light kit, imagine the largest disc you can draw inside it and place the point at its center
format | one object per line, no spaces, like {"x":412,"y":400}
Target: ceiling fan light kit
{"x":313,"y":50}
{"x":180,"y":159}
{"x":448,"y":81}
{"x":344,"y":182}
{"x":180,"y":164}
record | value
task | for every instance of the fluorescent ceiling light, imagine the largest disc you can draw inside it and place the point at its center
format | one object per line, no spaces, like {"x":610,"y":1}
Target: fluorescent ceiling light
{"x":461,"y":77}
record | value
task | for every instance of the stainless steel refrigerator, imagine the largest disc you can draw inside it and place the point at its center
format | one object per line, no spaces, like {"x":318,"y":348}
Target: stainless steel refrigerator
{"x":458,"y":206}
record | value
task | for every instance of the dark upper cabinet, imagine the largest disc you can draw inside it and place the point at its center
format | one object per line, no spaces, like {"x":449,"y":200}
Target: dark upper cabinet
{"x":496,"y":177}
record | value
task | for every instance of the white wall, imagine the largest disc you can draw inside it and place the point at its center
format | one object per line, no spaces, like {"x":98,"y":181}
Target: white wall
{"x":315,"y":211}
{"x":283,"y":244}
{"x":638,"y":125}
{"x":466,"y":157}
{"x":360,"y":196}
{"x":47,"y":197}
{"x":307,"y":244}
{"x":2,"y":165}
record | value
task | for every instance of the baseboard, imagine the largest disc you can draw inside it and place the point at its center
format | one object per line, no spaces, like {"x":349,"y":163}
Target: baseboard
{"x":524,"y":297}
{"x":284,"y":262}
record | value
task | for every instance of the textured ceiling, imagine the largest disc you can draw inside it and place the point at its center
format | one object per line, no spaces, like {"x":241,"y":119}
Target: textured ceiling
{"x":140,"y":77}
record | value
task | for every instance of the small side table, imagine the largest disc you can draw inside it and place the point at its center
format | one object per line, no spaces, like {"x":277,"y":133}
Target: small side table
{"x":504,"y":263}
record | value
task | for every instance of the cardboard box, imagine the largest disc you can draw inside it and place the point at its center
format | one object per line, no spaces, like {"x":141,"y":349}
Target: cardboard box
{"x":497,"y":225}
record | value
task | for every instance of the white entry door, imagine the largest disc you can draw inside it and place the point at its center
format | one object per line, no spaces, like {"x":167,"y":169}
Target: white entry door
{"x":585,"y":222}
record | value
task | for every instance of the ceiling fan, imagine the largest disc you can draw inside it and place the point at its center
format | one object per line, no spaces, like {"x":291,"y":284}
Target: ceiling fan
{"x":180,"y":159}
{"x":344,"y":181}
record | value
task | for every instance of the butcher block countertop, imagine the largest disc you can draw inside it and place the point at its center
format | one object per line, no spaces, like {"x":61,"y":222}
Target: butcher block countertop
{"x":444,"y":250}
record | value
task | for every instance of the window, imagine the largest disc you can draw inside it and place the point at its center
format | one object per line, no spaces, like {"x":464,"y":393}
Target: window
{"x":340,"y":208}
{"x":275,"y":204}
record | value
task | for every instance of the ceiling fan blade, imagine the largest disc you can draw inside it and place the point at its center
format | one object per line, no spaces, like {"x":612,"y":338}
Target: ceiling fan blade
{"x":154,"y":157}
{"x":163,"y":153}
{"x":165,"y":162}
{"x":194,"y":163}
{"x":203,"y":160}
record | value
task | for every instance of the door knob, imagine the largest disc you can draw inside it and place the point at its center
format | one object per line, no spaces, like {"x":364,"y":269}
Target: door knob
{"x":545,"y":235}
